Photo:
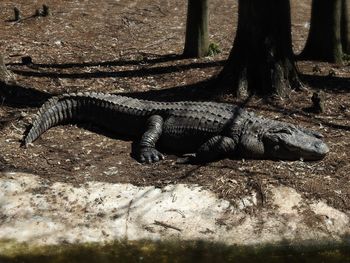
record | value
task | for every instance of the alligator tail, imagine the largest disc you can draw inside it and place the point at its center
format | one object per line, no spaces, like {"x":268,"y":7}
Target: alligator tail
{"x":58,"y":110}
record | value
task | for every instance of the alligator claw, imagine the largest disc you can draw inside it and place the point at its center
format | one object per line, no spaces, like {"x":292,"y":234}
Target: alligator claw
{"x":150,"y":155}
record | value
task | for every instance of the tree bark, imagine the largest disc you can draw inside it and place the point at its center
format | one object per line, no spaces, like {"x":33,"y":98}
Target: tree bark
{"x":197,"y":35}
{"x":262,"y":60}
{"x":345,"y":26}
{"x":324,"y":39}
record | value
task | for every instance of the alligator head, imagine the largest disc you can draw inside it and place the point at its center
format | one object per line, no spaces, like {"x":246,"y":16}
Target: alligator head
{"x":269,"y":139}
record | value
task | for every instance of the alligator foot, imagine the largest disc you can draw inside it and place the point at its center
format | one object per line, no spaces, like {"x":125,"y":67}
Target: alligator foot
{"x":149,"y":155}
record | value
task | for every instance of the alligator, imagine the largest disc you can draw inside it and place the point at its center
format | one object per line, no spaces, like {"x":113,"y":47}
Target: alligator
{"x":205,"y":131}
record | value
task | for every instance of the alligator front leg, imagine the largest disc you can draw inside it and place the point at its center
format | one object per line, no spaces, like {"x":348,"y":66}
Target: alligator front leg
{"x":147,"y":153}
{"x":215,"y":148}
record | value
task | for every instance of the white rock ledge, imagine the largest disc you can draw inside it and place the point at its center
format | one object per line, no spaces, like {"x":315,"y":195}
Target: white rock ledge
{"x":103,"y":212}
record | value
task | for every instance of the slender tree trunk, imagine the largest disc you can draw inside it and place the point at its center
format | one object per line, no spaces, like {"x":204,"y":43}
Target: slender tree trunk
{"x":324,"y":40}
{"x":261,"y":60}
{"x":345,"y":26}
{"x":197,"y":36}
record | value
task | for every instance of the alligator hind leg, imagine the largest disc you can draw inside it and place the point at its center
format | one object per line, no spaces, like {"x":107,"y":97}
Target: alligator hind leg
{"x":147,"y":153}
{"x":213,"y":149}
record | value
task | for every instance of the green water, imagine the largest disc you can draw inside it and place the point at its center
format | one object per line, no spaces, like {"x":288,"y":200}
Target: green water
{"x":179,"y":251}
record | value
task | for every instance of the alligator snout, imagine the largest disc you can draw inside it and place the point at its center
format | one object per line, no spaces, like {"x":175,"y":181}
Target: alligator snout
{"x":321,"y":148}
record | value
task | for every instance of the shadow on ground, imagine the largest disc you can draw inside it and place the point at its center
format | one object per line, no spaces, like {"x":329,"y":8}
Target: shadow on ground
{"x":147,"y":68}
{"x":330,"y":83}
{"x":15,"y":95}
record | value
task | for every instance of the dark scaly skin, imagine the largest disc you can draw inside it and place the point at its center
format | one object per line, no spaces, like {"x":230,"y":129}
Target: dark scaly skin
{"x":210,"y":130}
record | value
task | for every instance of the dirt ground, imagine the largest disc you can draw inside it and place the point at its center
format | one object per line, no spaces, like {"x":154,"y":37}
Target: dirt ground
{"x":134,"y":47}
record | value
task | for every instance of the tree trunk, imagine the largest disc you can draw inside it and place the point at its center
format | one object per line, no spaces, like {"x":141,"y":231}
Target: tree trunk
{"x":345,"y":26}
{"x":197,"y":36}
{"x":262,"y":60}
{"x":324,"y":40}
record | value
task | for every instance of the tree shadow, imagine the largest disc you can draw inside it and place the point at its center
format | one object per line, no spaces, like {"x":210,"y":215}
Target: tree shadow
{"x":142,"y":72}
{"x":331,"y":83}
{"x":123,"y":62}
{"x":15,"y":95}
{"x":18,"y":96}
{"x":202,"y":90}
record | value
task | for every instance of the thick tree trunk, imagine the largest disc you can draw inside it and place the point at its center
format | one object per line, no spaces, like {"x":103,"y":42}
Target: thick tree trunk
{"x":261,"y":60}
{"x":324,"y":40}
{"x":345,"y":26}
{"x":197,"y":36}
